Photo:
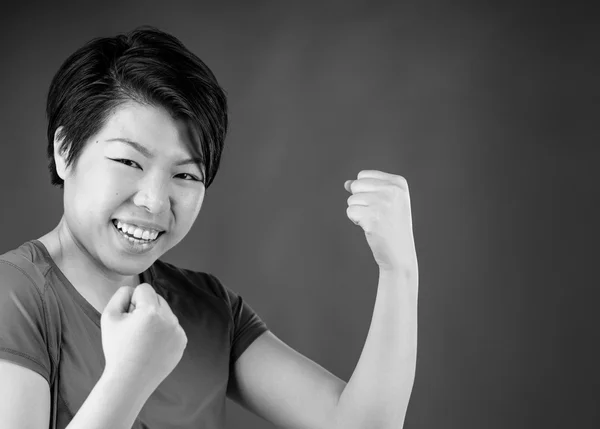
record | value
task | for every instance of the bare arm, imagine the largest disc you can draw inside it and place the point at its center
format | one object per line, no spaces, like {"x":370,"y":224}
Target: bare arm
{"x":290,"y":390}
{"x":24,"y":398}
{"x":379,"y":390}
{"x":113,"y":403}
{"x":276,"y":382}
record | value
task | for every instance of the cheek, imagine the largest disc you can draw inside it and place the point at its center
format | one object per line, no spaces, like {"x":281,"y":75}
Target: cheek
{"x":99,"y":198}
{"x":189,"y":206}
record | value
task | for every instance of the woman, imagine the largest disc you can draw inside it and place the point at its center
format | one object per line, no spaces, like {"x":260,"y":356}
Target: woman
{"x":97,"y":332}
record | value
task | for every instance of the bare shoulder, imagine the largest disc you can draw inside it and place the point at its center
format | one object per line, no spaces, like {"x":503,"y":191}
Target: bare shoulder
{"x":24,"y":397}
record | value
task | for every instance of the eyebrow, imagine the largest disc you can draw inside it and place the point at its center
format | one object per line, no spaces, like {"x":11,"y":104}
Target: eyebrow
{"x":149,"y":154}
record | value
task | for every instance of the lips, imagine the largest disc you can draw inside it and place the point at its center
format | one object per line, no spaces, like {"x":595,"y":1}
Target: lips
{"x":130,"y":228}
{"x":142,"y":241}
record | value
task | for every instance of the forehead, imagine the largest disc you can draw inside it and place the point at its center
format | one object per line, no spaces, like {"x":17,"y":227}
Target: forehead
{"x":152,"y":126}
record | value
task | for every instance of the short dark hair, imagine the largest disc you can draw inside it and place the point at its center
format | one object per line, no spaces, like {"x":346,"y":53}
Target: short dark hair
{"x":145,"y":65}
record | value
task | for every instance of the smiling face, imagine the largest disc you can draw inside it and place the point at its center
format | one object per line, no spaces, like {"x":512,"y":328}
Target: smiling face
{"x":138,"y":170}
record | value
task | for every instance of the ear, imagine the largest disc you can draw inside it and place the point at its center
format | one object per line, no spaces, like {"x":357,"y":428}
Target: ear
{"x":60,"y":154}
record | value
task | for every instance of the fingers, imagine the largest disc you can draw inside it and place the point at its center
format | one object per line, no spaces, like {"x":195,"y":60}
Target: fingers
{"x":119,"y":302}
{"x":381,"y":175}
{"x":145,"y":296}
{"x":363,"y":199}
{"x":166,"y":309}
{"x":368,"y":191}
{"x":366,"y":185}
{"x":359,"y":215}
{"x":373,"y":193}
{"x":148,"y":297}
{"x":369,"y":180}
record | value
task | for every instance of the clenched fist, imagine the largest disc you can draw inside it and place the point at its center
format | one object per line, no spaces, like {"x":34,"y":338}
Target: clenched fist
{"x":380,"y":205}
{"x":141,"y":337}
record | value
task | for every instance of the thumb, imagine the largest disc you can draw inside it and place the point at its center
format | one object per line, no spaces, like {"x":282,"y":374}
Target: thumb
{"x":347,"y":184}
{"x":119,"y":302}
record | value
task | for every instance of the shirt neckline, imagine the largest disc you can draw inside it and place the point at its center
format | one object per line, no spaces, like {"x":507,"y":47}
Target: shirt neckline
{"x":146,"y":276}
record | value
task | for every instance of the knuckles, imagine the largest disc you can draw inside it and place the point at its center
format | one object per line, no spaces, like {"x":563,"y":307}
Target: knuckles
{"x":401,"y":181}
{"x":395,"y":178}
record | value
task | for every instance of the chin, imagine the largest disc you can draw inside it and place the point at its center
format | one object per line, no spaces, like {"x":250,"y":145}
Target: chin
{"x":132,"y":267}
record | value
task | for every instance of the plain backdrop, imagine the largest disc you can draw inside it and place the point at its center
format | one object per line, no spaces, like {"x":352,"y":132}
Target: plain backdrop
{"x":489,"y":111}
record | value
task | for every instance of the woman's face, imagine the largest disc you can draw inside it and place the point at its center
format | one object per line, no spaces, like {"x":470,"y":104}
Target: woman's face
{"x":135,"y":172}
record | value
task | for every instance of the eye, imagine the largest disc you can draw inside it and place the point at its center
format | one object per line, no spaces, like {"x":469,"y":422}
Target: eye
{"x":128,"y":162}
{"x":190,"y":177}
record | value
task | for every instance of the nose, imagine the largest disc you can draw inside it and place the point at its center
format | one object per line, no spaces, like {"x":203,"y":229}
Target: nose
{"x":153,"y":194}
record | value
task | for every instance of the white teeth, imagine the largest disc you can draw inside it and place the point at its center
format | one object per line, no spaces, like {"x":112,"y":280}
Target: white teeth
{"x":139,"y":233}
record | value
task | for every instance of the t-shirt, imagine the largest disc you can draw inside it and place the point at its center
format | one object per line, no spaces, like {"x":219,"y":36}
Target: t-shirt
{"x":48,"y":327}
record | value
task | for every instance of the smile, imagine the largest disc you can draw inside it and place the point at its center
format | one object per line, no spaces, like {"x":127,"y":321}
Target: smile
{"x":136,"y":235}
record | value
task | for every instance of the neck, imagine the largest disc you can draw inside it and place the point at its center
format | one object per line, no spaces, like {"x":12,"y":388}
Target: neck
{"x":86,"y":274}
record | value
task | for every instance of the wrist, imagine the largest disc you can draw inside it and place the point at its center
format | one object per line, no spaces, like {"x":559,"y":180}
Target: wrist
{"x":129,"y":383}
{"x":398,"y":274}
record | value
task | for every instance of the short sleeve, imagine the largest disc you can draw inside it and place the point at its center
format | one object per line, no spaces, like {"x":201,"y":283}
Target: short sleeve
{"x":23,"y":330}
{"x":247,"y":325}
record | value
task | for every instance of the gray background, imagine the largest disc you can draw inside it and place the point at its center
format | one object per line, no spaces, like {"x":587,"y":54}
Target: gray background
{"x":486,"y":110}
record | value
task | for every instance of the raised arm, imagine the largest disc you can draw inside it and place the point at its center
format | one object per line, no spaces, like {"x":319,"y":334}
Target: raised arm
{"x":288,"y":389}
